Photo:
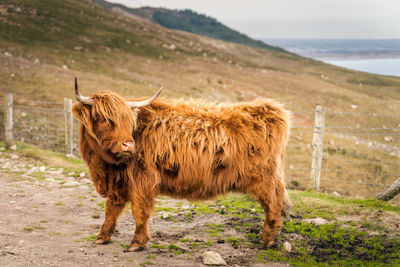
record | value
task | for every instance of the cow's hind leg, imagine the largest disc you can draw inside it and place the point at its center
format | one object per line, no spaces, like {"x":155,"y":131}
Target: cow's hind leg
{"x":271,"y":200}
{"x":112,"y":211}
{"x":141,"y":211}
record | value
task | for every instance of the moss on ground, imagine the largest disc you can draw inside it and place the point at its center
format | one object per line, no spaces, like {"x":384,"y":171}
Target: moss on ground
{"x":365,"y":241}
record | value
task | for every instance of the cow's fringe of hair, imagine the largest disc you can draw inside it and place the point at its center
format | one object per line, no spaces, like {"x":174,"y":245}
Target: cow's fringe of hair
{"x":108,"y":106}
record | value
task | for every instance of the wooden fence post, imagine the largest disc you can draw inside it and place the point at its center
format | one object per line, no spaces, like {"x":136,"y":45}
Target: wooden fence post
{"x":317,"y":144}
{"x":69,"y":125}
{"x":389,"y":192}
{"x":8,"y":120}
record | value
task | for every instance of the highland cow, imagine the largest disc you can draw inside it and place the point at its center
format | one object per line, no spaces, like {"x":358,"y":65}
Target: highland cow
{"x":192,"y":149}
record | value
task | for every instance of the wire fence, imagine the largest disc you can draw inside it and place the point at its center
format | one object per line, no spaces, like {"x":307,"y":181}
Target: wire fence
{"x":360,"y":153}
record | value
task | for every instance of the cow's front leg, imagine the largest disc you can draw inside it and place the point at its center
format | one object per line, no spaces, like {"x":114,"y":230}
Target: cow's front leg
{"x":113,"y":210}
{"x":141,"y":211}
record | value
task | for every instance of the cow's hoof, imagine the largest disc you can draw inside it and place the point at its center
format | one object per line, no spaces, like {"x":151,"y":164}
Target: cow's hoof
{"x":270,"y":244}
{"x":101,"y":242}
{"x":134,"y":248}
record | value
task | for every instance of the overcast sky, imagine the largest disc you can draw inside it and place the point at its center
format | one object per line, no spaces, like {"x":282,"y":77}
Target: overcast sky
{"x":296,"y":18}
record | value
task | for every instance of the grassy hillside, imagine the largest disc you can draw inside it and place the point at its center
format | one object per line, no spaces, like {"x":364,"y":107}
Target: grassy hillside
{"x":44,"y":44}
{"x":189,"y":21}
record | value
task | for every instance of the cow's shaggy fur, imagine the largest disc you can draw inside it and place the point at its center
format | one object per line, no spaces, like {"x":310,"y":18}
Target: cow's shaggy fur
{"x":186,"y":149}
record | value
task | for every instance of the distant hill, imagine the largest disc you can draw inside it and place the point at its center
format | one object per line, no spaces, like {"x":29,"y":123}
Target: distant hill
{"x":190,"y":21}
{"x":45,"y":43}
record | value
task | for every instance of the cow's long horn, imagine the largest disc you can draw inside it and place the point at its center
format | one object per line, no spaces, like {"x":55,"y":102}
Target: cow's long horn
{"x":83,"y":99}
{"x":138,"y":104}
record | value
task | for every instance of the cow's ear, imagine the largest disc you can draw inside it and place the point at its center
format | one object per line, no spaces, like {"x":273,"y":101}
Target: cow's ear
{"x":80,"y":111}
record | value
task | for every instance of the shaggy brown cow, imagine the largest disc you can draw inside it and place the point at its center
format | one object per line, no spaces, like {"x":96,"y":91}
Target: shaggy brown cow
{"x":190,"y":149}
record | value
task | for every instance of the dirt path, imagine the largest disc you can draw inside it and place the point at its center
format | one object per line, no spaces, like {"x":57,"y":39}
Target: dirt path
{"x":50,"y":219}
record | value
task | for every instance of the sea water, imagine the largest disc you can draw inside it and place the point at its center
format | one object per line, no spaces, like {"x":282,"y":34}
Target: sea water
{"x":384,"y":66}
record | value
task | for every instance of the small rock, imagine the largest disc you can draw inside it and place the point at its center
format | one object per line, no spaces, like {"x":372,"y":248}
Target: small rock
{"x":213,"y":258}
{"x":185,"y":207}
{"x":70,"y":251}
{"x":165,"y":216}
{"x":7,"y":54}
{"x":95,"y":226}
{"x":85,"y":181}
{"x":253,"y":210}
{"x":37,"y":60}
{"x":316,"y":221}
{"x":388,"y":139}
{"x":13,"y":147}
{"x":71,"y":156}
{"x":12,"y":202}
{"x":42,"y":168}
{"x":82,"y":174}
{"x":14,"y":157}
{"x":65,"y":67}
{"x":81,"y":249}
{"x":353,"y":106}
{"x":336,"y":194}
{"x":95,"y":216}
{"x":287,"y":246}
{"x":71,"y":183}
{"x":18,"y":10}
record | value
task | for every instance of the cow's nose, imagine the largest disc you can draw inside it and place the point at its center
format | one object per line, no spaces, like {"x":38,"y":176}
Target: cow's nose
{"x":127,"y":146}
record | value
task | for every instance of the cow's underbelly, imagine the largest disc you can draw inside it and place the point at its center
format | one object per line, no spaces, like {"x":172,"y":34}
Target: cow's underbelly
{"x":200,"y":188}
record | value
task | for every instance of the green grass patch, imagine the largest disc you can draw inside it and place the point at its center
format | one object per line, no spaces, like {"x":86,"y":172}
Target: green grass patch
{"x":208,"y":243}
{"x":101,"y":204}
{"x":146,"y":263}
{"x":51,"y":158}
{"x":233,"y":240}
{"x":173,"y":246}
{"x":91,"y":238}
{"x":164,"y":209}
{"x":332,"y":201}
{"x":40,"y":176}
{"x":158,"y":246}
{"x":332,"y":245}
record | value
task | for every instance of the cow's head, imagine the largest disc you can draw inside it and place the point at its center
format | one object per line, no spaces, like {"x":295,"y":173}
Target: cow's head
{"x":109,"y":122}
